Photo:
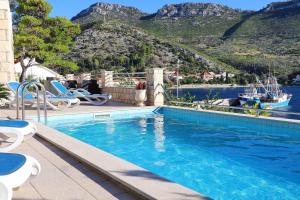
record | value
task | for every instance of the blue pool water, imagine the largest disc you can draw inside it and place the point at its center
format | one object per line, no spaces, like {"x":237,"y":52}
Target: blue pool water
{"x":220,"y":156}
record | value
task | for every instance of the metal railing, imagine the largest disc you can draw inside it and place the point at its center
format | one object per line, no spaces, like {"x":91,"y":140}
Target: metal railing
{"x":128,"y":79}
{"x":23,"y":88}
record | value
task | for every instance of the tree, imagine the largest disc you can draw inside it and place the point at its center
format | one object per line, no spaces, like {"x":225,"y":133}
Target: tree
{"x":41,"y":37}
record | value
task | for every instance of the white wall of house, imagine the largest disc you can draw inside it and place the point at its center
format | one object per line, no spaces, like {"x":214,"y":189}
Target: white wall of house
{"x":37,"y":71}
{"x":6,"y":44}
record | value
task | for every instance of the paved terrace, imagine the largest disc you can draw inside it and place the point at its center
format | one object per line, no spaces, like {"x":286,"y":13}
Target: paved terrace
{"x":65,"y":178}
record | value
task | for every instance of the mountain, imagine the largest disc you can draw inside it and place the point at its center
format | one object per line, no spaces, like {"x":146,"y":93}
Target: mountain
{"x":122,"y":47}
{"x":283,"y":6}
{"x":199,"y":35}
{"x":263,"y":40}
{"x":195,"y":9}
{"x":107,"y":12}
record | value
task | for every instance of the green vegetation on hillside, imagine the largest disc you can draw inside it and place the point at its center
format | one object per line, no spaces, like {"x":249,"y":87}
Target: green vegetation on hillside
{"x":199,"y":36}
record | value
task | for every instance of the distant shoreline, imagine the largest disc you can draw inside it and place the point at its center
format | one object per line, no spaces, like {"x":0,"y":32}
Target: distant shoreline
{"x":195,"y":86}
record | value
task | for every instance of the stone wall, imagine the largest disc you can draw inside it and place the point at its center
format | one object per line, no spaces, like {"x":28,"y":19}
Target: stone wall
{"x":122,"y":95}
{"x":155,"y":81}
{"x":155,"y":91}
{"x":7,"y":72}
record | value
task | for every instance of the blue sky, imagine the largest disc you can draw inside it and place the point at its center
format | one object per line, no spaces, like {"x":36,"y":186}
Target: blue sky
{"x":70,"y":8}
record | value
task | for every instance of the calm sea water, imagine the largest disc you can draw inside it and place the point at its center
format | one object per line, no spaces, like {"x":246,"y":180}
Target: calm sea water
{"x":201,"y":93}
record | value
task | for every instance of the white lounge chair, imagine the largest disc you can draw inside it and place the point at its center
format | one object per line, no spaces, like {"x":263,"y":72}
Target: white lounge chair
{"x":6,"y":138}
{"x":23,"y":127}
{"x":95,"y":99}
{"x":52,"y":100}
{"x":15,"y":169}
{"x":14,"y":129}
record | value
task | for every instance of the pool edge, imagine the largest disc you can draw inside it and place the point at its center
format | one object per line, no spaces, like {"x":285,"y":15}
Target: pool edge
{"x":275,"y":119}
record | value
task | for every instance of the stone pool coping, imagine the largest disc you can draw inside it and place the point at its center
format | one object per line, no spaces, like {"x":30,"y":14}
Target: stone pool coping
{"x":274,"y":119}
{"x":133,"y":177}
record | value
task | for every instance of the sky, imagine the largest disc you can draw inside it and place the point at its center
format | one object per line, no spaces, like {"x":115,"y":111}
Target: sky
{"x":69,"y":8}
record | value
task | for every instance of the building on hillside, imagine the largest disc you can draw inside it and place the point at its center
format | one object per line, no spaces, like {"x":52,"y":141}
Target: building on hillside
{"x":207,"y":76}
{"x":221,"y":75}
{"x":172,"y":76}
{"x":7,"y":72}
{"x":37,"y":71}
{"x":224,"y":75}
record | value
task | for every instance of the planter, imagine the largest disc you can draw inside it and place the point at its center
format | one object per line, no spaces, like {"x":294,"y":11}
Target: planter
{"x":140,"y":97}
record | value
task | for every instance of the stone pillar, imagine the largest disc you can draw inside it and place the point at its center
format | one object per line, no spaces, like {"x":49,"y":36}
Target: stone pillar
{"x":107,"y":78}
{"x":155,"y":81}
{"x":7,"y":71}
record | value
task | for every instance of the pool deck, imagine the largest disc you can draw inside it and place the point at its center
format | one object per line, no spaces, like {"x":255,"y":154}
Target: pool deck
{"x":65,"y":178}
{"x":73,"y":170}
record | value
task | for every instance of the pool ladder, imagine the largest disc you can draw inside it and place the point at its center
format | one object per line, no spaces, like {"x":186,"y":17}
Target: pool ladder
{"x":23,"y":89}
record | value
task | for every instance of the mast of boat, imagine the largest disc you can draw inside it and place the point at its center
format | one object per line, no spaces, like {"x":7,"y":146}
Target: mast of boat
{"x":263,"y":86}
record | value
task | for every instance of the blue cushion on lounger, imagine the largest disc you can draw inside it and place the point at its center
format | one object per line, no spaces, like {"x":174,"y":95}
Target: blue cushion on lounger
{"x":14,"y":86}
{"x":9,"y":163}
{"x":13,"y":123}
{"x":60,"y":87}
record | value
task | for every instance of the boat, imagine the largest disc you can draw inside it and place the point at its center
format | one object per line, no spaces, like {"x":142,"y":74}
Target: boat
{"x":250,"y":96}
{"x":271,"y":97}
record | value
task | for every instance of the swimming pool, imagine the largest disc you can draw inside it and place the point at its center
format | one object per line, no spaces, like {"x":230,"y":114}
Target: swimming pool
{"x":221,"y":156}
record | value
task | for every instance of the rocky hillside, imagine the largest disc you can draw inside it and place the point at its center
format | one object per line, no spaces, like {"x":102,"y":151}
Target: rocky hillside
{"x":198,"y":34}
{"x":283,"y":6}
{"x":107,"y":12}
{"x":121,"y":47}
{"x":195,"y":9}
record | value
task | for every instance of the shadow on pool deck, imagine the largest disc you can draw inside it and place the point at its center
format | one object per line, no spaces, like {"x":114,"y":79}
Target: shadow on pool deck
{"x":151,"y":176}
{"x":140,"y":173}
{"x":187,"y":196}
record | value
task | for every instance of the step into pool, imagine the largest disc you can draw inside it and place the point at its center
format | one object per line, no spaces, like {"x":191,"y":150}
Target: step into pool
{"x":221,"y":156}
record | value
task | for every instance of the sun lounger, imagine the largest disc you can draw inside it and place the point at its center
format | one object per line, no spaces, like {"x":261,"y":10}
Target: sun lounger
{"x":23,"y":127}
{"x":95,"y":99}
{"x":15,"y":170}
{"x":30,"y":99}
{"x":6,"y":138}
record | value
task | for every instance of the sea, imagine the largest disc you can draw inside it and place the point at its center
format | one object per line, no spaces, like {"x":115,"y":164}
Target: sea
{"x":232,"y":92}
